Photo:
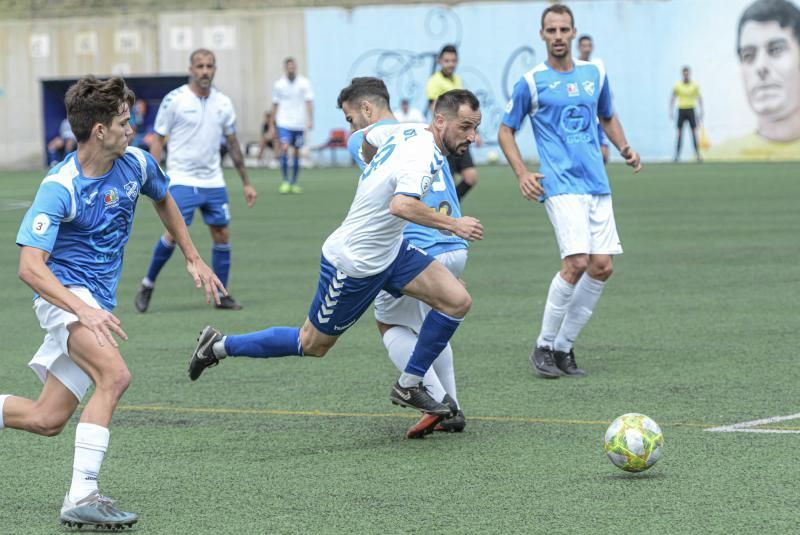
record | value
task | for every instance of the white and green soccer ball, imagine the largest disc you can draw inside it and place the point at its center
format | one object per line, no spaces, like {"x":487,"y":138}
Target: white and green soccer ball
{"x":634,"y":442}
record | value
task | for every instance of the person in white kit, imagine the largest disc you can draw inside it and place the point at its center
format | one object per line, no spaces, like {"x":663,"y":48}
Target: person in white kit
{"x":195,"y":117}
{"x":368,"y":253}
{"x":293,"y":114}
{"x":585,"y":49}
{"x":407,"y":114}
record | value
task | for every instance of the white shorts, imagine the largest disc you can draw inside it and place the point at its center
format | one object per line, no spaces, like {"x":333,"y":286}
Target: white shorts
{"x":584,"y":224}
{"x":52,"y":356}
{"x":408,"y":311}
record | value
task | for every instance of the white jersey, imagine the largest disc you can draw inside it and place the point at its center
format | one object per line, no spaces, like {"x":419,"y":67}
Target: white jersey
{"x":195,"y":126}
{"x":369,"y":238}
{"x":291,"y":98}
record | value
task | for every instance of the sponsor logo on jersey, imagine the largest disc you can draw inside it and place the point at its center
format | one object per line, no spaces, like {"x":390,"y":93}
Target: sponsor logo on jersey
{"x":572,"y":90}
{"x":111,"y":198}
{"x":132,"y":190}
{"x":555,"y":84}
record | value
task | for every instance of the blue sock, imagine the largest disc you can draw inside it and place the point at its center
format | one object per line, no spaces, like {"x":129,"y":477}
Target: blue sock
{"x":285,"y":167}
{"x":436,"y":331}
{"x":161,"y":253}
{"x":272,"y":342}
{"x":295,"y":169}
{"x":221,"y":261}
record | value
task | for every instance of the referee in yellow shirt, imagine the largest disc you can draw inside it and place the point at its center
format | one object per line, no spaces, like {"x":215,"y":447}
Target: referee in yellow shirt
{"x":688,"y":96}
{"x":441,"y":82}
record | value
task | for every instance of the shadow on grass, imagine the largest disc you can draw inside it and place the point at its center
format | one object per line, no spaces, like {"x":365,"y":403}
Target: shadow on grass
{"x":641,"y":476}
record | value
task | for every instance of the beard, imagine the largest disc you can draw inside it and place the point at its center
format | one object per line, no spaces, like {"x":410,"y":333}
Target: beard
{"x":455,"y":148}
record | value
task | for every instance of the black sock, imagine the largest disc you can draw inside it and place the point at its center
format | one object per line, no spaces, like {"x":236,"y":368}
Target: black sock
{"x":462,"y":189}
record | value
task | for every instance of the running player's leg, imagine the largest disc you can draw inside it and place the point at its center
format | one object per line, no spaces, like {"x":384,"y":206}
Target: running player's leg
{"x":217,"y":215}
{"x":187,"y":199}
{"x":45,"y":416}
{"x":284,"y":141}
{"x":297,"y":144}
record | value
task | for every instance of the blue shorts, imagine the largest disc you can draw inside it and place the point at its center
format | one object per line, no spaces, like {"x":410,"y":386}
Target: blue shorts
{"x":293,"y":138}
{"x":340,"y":300}
{"x":212,"y":202}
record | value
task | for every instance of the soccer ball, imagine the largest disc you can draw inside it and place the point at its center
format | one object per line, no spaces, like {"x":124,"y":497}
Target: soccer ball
{"x":492,"y":157}
{"x":633,"y":442}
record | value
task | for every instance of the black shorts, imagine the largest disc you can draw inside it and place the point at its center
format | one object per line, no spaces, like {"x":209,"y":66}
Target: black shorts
{"x":686,"y":115}
{"x":459,"y":163}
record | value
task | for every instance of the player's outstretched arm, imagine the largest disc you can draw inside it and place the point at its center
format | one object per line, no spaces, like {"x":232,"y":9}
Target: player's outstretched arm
{"x":530,"y":184}
{"x":613,"y":129}
{"x":416,"y":211}
{"x":200,"y":272}
{"x":34,"y":272}
{"x":235,"y":151}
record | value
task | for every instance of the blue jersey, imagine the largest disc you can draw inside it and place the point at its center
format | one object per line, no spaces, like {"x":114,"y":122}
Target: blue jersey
{"x":442,"y":197}
{"x":84,"y":223}
{"x":563,"y":107}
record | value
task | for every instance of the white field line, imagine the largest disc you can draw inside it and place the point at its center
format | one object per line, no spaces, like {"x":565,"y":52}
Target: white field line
{"x":750,"y":426}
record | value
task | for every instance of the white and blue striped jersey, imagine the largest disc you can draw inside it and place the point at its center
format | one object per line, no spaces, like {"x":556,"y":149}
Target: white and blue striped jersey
{"x":442,"y":197}
{"x":369,"y":238}
{"x":563,"y":108}
{"x":84,"y":223}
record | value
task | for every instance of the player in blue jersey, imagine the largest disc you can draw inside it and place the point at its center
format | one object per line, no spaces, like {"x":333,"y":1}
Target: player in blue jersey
{"x":563,"y":97}
{"x":365,"y":103}
{"x":367,"y":253}
{"x":72,"y":241}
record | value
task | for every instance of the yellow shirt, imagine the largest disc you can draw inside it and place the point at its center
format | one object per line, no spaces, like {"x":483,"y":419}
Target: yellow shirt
{"x":438,"y":85}
{"x":753,"y":147}
{"x":687,"y":95}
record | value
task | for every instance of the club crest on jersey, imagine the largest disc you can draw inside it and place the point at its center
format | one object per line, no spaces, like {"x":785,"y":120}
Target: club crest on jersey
{"x":588,"y":86}
{"x":572,"y":90}
{"x":111,"y":198}
{"x":425,"y":185}
{"x":132,"y":190}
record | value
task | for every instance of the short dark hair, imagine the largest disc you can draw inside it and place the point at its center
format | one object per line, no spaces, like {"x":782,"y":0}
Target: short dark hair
{"x":448,"y":49}
{"x":364,"y":88}
{"x":202,"y":52}
{"x":585,"y":37}
{"x":559,"y":9}
{"x":288,"y":61}
{"x":449,"y":103}
{"x":685,"y":68}
{"x":90,"y":101}
{"x":781,"y":11}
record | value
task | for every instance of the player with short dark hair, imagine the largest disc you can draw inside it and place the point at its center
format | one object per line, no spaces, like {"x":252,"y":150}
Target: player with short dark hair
{"x":690,"y":110}
{"x":563,"y":99}
{"x":365,"y":104}
{"x":585,"y":50}
{"x":368,"y":253}
{"x":442,"y":81}
{"x":191,"y":121}
{"x":292,"y":115}
{"x":72,"y":241}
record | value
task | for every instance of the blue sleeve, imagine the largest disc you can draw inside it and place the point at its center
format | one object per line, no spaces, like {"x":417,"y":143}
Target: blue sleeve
{"x":39,"y":228}
{"x":354,"y":148}
{"x":157,"y":182}
{"x":604,"y":107}
{"x":519,"y":106}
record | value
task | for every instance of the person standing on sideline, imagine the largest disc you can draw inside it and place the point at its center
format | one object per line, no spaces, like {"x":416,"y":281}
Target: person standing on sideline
{"x":365,"y":103}
{"x":687,"y":93}
{"x":585,"y":49}
{"x":563,"y":98}
{"x":407,"y":114}
{"x":442,"y":81}
{"x":293,"y":114}
{"x":195,"y":117}
{"x":367,"y":253}
{"x":72,"y":241}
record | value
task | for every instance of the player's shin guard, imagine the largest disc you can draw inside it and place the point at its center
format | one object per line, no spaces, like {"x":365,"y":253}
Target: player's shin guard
{"x":435,"y":333}
{"x":91,"y":443}
{"x":587,"y":293}
{"x":558,"y":300}
{"x":161,"y":254}
{"x":221,"y":261}
{"x":272,"y":342}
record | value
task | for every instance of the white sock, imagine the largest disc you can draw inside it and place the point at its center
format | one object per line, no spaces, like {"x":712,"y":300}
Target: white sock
{"x":147,"y":283}
{"x":2,"y":402}
{"x":407,"y":380}
{"x":91,"y":443}
{"x":400,"y":342}
{"x":218,"y":348}
{"x":558,"y":299}
{"x":587,"y":293}
{"x":445,"y":373}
